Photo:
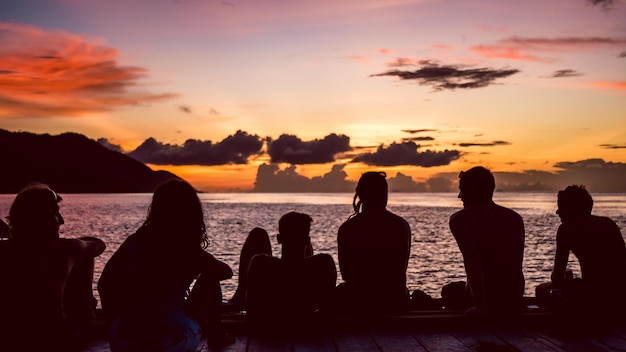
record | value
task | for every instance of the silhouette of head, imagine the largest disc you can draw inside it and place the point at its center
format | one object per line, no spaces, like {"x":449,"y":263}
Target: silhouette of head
{"x":34,"y":214}
{"x":476,"y":185}
{"x":294,"y":228}
{"x":176,"y":211}
{"x":574,"y":201}
{"x":371,"y":191}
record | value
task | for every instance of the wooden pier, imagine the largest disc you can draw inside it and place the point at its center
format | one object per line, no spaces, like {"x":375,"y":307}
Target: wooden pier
{"x":436,"y":332}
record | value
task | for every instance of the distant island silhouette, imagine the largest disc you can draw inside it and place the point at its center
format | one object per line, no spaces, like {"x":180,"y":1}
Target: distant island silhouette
{"x":72,"y":163}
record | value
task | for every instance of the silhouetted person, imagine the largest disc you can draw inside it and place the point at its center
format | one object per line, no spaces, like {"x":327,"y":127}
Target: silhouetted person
{"x":257,"y":242}
{"x":46,"y":299}
{"x":293,"y":293}
{"x":597,"y":243}
{"x":373,"y":248}
{"x":145,"y":285}
{"x":491,"y":239}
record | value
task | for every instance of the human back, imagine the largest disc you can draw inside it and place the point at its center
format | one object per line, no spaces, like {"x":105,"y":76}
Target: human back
{"x":373,"y":248}
{"x":491,"y":240}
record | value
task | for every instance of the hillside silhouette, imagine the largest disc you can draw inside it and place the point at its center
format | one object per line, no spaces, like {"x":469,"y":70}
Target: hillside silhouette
{"x":71,"y":163}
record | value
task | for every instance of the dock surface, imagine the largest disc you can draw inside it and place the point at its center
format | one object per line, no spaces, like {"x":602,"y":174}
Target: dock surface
{"x":434,"y":333}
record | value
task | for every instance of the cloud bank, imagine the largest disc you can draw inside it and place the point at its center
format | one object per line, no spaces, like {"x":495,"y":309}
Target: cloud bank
{"x":291,"y":149}
{"x":407,"y":153}
{"x":234,"y":149}
{"x":596,"y":174}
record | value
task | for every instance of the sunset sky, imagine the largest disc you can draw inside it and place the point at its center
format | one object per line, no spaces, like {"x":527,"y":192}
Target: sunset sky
{"x":308,"y":94}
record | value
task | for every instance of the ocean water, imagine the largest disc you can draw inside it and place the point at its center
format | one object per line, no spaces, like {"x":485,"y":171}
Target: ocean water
{"x":435,"y":259}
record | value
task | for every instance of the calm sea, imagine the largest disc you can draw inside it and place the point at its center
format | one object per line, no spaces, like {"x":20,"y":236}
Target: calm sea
{"x":435,"y":258}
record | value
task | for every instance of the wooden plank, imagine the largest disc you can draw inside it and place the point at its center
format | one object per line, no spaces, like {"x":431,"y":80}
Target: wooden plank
{"x":526,"y":341}
{"x":262,"y":343}
{"x":98,"y":346}
{"x":396,"y":342}
{"x":440,"y":342}
{"x":314,"y":343}
{"x":572,"y":343}
{"x":355,"y":342}
{"x":482,"y":340}
{"x":240,"y":345}
{"x":612,"y":342}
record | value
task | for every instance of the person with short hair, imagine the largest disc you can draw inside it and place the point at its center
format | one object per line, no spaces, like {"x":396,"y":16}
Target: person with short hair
{"x":46,"y":300}
{"x":491,"y":240}
{"x":373,"y":249}
{"x":597,"y":243}
{"x":293,"y":293}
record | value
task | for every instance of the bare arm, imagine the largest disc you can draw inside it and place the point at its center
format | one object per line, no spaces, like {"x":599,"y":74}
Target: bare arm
{"x":344,"y":253}
{"x":471,"y":259}
{"x":209,"y":265}
{"x":560,"y":259}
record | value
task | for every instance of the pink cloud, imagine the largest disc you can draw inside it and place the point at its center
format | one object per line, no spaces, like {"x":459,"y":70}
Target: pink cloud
{"x":56,"y":73}
{"x":517,"y":48}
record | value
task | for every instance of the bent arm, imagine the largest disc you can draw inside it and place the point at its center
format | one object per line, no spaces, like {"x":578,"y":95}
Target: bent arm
{"x":209,"y":265}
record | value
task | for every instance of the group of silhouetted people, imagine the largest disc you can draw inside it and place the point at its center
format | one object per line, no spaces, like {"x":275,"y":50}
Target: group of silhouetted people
{"x":160,"y":291}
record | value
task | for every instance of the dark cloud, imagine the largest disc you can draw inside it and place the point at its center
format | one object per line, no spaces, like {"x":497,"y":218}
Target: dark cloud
{"x":185,"y":108}
{"x":418,"y":139}
{"x":419,"y":130}
{"x":270,"y":178}
{"x":291,"y":149}
{"x":107,"y":144}
{"x":404,"y":183}
{"x":406,"y":153}
{"x":406,"y":61}
{"x":565,"y":73}
{"x":622,"y":54}
{"x":489,"y":144}
{"x":613,"y":146}
{"x":451,"y":77}
{"x":598,"y":175}
{"x":604,"y":4}
{"x":235,"y":149}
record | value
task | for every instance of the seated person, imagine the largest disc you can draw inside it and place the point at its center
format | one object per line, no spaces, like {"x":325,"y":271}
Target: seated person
{"x":46,"y":299}
{"x":257,"y":242}
{"x":597,"y":243}
{"x":373,"y":249}
{"x":146,"y":286}
{"x":491,"y":240}
{"x":294,"y":292}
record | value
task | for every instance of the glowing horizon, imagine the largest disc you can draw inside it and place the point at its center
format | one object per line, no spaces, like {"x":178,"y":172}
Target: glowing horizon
{"x":520,"y":88}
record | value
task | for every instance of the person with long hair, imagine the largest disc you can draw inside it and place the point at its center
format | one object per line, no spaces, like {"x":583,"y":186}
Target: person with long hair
{"x":161,"y":289}
{"x":373,"y":249}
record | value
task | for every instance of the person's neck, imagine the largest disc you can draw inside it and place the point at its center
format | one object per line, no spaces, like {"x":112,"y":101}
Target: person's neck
{"x":292,"y":255}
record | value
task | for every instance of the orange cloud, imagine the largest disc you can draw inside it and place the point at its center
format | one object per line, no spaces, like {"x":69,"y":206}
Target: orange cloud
{"x":55,"y":73}
{"x":619,"y":85}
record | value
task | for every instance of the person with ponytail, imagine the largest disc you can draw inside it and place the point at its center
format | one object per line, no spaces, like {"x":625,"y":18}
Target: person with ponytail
{"x":373,"y":251}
